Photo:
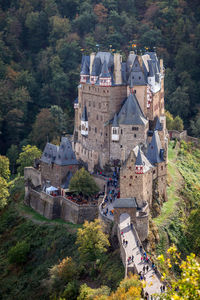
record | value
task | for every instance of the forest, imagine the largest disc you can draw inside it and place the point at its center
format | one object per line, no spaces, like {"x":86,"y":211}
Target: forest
{"x":42,"y":42}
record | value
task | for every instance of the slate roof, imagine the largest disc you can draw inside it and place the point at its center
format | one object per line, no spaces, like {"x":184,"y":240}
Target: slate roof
{"x":96,"y":67}
{"x":131,"y":113}
{"x":76,"y":101}
{"x":153,"y":151}
{"x":84,"y":114}
{"x":62,"y":155}
{"x":143,"y":160}
{"x":139,"y":161}
{"x":151,"y":69}
{"x":158,"y":126}
{"x":125,"y":203}
{"x":104,"y":71}
{"x":85,"y":65}
{"x":66,"y":182}
{"x":115,"y":122}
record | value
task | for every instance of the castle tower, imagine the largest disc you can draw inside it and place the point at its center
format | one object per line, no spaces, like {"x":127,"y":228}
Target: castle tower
{"x":85,"y":72}
{"x":139,"y":164}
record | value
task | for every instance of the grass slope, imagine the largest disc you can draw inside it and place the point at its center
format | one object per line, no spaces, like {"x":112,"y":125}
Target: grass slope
{"x":50,"y":242}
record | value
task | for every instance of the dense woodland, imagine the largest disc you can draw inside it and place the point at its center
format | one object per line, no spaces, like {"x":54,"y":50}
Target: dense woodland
{"x":41,"y":44}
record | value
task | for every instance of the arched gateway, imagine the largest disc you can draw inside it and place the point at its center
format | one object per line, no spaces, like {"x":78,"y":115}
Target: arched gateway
{"x":125,"y":205}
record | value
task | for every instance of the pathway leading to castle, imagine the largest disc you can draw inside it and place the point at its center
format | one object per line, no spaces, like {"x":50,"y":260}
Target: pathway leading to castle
{"x":152,"y":281}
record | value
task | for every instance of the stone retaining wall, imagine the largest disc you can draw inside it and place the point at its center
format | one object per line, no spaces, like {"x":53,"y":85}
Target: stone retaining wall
{"x":60,"y":207}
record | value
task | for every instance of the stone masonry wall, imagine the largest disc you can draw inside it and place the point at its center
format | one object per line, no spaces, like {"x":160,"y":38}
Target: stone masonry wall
{"x":135,"y":185}
{"x":55,"y":173}
{"x":128,"y":138}
{"x":34,"y":175}
{"x":60,"y":207}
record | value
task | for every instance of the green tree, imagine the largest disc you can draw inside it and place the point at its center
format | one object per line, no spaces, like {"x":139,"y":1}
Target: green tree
{"x":82,"y":183}
{"x":92,"y":241}
{"x":13,"y":154}
{"x":4,"y":167}
{"x":87,"y":293}
{"x":44,"y":128}
{"x":178,"y":124}
{"x":19,"y":253}
{"x":27,"y":156}
{"x":4,"y":193}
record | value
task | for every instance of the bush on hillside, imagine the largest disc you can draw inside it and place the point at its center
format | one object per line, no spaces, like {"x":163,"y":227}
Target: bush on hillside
{"x":19,"y":253}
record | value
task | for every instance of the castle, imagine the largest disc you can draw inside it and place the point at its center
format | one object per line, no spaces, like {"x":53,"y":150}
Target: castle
{"x":119,"y":122}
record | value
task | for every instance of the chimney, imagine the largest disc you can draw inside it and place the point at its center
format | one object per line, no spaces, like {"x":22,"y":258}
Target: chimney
{"x":92,"y":56}
{"x":161,"y":67}
{"x":140,"y":62}
{"x":117,"y":68}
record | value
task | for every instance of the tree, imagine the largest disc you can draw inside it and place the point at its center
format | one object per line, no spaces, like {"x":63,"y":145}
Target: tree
{"x":92,"y":241}
{"x":178,"y":124}
{"x":4,"y":194}
{"x":4,"y":167}
{"x":87,"y":293}
{"x":18,"y":254}
{"x":44,"y":128}
{"x":27,"y":156}
{"x":12,"y":154}
{"x":188,"y":283}
{"x":82,"y":183}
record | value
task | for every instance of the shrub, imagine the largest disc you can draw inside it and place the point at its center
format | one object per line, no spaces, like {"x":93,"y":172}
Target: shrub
{"x":18,"y":254}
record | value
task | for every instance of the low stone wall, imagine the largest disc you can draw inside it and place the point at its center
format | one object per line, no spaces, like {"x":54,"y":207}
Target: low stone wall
{"x":34,"y":176}
{"x":142,"y":221}
{"x":100,"y":181}
{"x":77,"y":214}
{"x":182,"y":135}
{"x":60,"y":207}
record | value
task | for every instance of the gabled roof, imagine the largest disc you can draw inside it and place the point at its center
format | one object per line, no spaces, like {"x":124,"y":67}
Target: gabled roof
{"x":125,"y":203}
{"x":158,"y":126}
{"x":49,"y":154}
{"x":104,"y":71}
{"x":139,"y":161}
{"x":131,"y":113}
{"x":62,"y":155}
{"x":115,"y":122}
{"x":153,"y":151}
{"x":84,"y":114}
{"x":85,"y":66}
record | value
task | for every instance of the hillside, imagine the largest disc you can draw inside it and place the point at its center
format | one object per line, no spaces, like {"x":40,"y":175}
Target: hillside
{"x":41,"y":44}
{"x":50,"y":242}
{"x":179,"y":218}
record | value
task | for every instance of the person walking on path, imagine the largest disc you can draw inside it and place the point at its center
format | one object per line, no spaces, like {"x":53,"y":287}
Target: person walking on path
{"x":147,"y":268}
{"x":132,"y":258}
{"x":144,"y":268}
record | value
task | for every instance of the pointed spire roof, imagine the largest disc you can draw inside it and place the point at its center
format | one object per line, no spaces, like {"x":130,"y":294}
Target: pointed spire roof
{"x":85,"y":69}
{"x":153,"y":151}
{"x":115,"y":122}
{"x":158,"y":125}
{"x":131,"y":113}
{"x":76,"y":101}
{"x":104,"y":71}
{"x":84,"y":114}
{"x":139,"y":161}
{"x":96,"y":67}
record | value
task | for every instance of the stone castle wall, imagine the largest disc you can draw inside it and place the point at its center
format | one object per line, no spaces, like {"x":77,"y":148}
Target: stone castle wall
{"x":56,"y":174}
{"x":135,"y":185}
{"x":34,"y":175}
{"x":59,"y":207}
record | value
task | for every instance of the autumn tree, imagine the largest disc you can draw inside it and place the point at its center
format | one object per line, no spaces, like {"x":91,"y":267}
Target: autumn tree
{"x":92,"y":241}
{"x":27,"y":156}
{"x":4,"y":167}
{"x":82,"y":183}
{"x":186,"y":286}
